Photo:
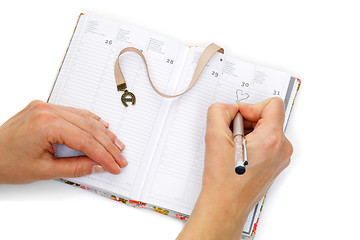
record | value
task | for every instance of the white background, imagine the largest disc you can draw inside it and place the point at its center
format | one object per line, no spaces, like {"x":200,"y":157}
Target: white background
{"x":317,"y":41}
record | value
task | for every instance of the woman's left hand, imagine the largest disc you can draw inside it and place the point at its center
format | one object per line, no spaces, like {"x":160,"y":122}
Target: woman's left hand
{"x":26,"y":144}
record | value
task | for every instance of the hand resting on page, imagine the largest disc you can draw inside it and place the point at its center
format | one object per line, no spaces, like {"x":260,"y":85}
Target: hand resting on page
{"x":26,"y":152}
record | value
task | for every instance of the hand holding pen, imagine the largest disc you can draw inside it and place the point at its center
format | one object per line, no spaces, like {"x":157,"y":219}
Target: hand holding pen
{"x":225,"y":197}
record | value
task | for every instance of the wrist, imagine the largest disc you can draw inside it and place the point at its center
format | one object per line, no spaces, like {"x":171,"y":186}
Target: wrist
{"x":215,"y":217}
{"x":231,"y":211}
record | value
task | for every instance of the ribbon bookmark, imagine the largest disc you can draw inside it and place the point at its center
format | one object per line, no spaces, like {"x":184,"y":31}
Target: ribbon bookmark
{"x":130,"y":97}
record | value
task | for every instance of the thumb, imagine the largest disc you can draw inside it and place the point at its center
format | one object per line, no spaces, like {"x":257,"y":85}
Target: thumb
{"x":252,"y":112}
{"x":72,"y":167}
{"x":272,"y":110}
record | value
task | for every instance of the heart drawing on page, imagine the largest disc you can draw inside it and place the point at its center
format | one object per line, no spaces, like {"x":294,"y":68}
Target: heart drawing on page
{"x":240,"y":96}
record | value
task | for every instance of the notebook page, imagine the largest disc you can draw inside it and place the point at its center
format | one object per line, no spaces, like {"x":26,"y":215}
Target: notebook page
{"x":86,"y":80}
{"x":175,"y":178}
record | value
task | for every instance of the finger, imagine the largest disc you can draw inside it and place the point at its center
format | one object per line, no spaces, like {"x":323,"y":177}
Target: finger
{"x":107,"y":139}
{"x":89,"y":115}
{"x":70,"y":167}
{"x":84,"y":114}
{"x":221,"y":115}
{"x":30,"y":106}
{"x":271,"y":111}
{"x":66,"y":133}
{"x":219,"y":136}
{"x":248,"y":124}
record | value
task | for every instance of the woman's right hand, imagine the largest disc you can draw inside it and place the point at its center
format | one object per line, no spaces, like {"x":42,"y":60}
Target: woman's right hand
{"x":226,"y":198}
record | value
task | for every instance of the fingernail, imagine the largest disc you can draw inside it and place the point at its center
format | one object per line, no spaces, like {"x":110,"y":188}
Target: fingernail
{"x":119,"y":144}
{"x":97,"y":169}
{"x":104,"y":123}
{"x":119,"y":168}
{"x":124,"y":161}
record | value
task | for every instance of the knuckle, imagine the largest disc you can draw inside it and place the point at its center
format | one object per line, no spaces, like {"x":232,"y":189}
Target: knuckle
{"x":43,"y":117}
{"x":216,"y":107}
{"x":88,"y":140}
{"x":83,"y":114}
{"x":111,"y":148}
{"x":86,"y":114}
{"x":33,"y":103}
{"x":90,"y":144}
{"x":40,"y":112}
{"x":40,"y":105}
{"x":87,"y":143}
{"x":90,"y":126}
{"x":79,"y":170}
{"x":111,"y":135}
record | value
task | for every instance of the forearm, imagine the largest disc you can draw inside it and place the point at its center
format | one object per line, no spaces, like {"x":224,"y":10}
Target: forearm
{"x":211,"y":219}
{"x":226,"y":198}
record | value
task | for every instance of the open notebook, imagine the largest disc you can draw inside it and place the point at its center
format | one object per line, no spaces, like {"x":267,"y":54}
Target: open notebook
{"x":164,"y":138}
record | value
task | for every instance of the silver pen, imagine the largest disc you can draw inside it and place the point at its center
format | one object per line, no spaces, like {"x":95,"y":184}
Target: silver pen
{"x":240,"y":144}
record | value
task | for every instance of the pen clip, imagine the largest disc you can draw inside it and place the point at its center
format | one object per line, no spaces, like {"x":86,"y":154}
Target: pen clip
{"x":245,"y":152}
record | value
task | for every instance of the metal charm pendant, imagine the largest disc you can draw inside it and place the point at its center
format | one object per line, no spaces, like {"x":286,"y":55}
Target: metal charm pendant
{"x":128,"y":97}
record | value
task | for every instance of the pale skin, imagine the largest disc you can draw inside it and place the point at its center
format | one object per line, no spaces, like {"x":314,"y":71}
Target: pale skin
{"x":26,"y":155}
{"x":226,"y":198}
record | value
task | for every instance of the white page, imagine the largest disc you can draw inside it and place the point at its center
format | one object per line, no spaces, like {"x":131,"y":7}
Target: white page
{"x":87,"y":81}
{"x":174,"y":181}
{"x":175,"y":177}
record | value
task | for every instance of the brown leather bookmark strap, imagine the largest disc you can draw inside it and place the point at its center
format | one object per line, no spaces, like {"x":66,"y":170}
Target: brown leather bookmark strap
{"x":204,"y":59}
